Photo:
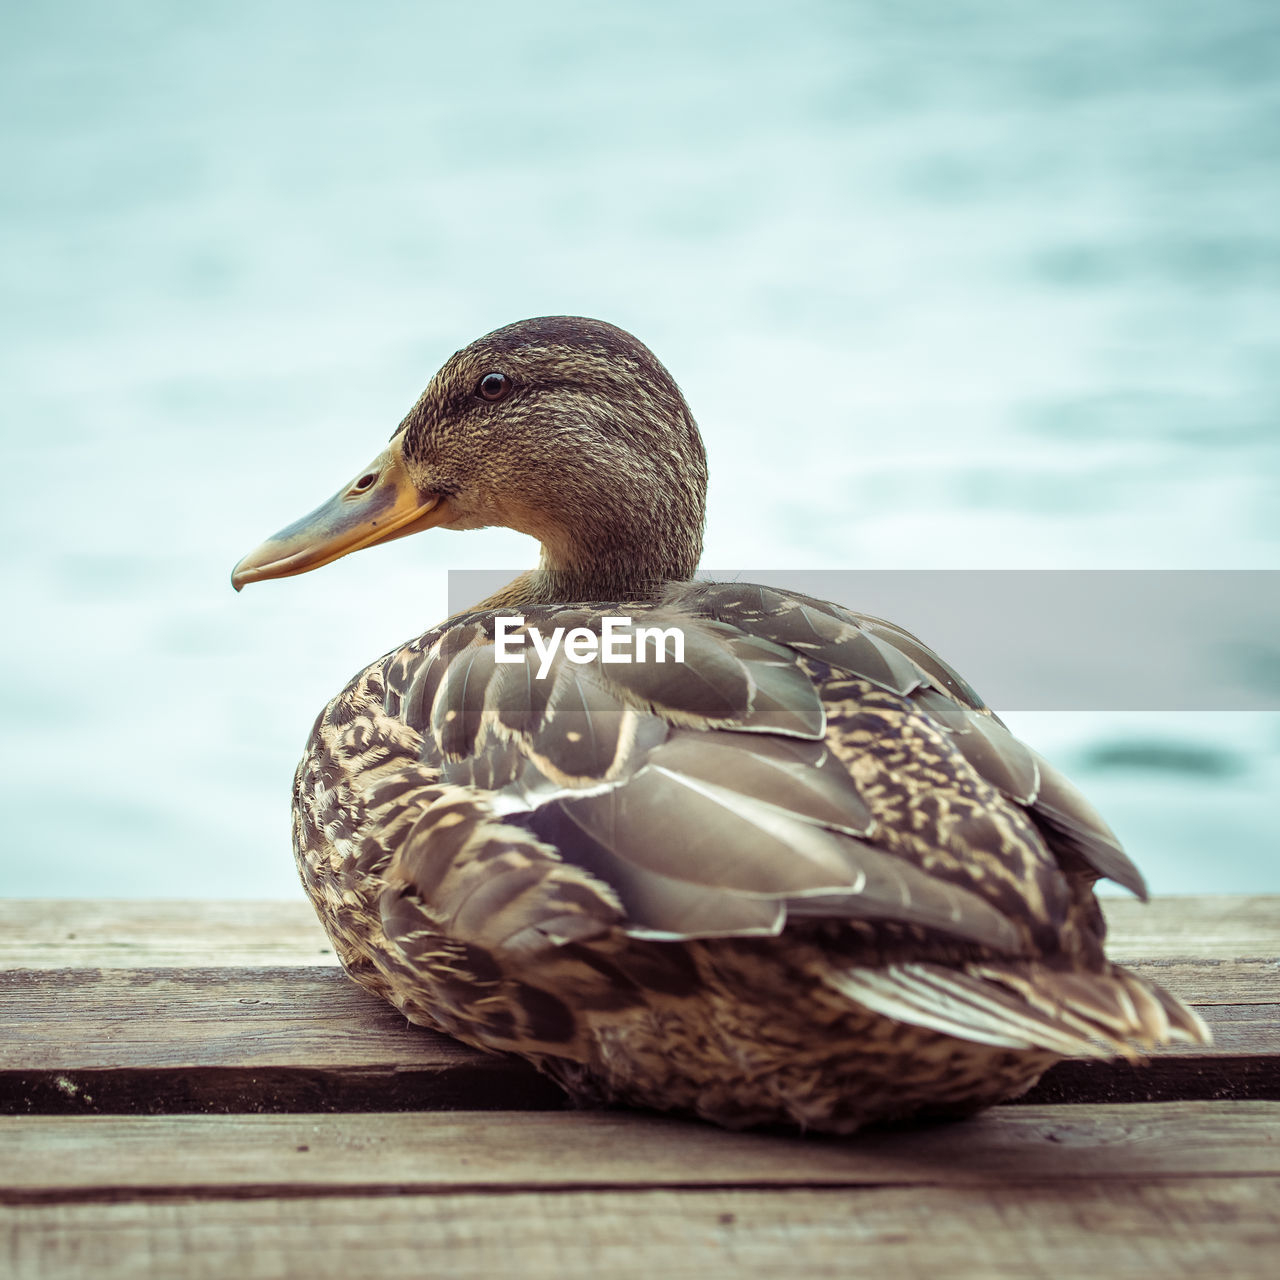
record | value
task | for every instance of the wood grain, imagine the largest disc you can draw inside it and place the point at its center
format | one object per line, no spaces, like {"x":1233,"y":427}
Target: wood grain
{"x":1195,"y":1227}
{"x":301,"y":1039}
{"x":249,"y":1018}
{"x":91,"y":1018}
{"x":50,"y":1158}
{"x":54,"y":933}
{"x":109,"y":1018}
{"x":1201,"y":982}
{"x":195,"y":1090}
{"x":1200,"y":927}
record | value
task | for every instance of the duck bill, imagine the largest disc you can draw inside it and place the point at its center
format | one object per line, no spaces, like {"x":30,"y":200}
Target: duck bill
{"x":381,"y":504}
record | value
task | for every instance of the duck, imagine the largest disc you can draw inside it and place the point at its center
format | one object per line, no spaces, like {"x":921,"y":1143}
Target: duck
{"x":711,"y":848}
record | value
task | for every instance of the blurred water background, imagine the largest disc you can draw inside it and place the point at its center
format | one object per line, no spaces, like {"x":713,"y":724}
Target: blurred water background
{"x":949,"y":284}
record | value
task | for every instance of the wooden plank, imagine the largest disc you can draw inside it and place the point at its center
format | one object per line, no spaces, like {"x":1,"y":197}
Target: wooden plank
{"x":50,"y":933}
{"x":92,"y":1018}
{"x":1213,"y":1228}
{"x":232,"y":1040}
{"x":301,"y":1037}
{"x":1196,"y":927}
{"x":111,"y":1018}
{"x":55,"y":933}
{"x":1201,"y":982}
{"x":51,"y":1158}
{"x":161,"y":1040}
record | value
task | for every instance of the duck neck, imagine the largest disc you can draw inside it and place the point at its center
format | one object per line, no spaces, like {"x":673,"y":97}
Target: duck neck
{"x":634,"y":567}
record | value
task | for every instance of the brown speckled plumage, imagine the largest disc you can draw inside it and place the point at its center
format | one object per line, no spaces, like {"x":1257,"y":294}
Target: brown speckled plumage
{"x":802,"y":877}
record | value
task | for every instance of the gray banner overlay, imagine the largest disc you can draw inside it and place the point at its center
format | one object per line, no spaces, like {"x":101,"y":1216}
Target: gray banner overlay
{"x":1056,"y":640}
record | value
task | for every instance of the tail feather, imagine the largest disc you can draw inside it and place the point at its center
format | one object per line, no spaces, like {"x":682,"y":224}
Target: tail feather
{"x":1029,"y":1006}
{"x":1149,"y":1011}
{"x":1185,"y":1024}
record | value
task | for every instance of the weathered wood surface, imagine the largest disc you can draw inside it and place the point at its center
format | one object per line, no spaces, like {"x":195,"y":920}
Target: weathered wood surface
{"x":1209,"y":1228}
{"x":301,"y":1037}
{"x":44,"y":933}
{"x":249,"y":1040}
{"x":61,"y":1158}
{"x":278,"y":1148}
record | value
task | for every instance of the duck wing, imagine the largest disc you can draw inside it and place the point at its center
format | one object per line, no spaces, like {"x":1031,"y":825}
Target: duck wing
{"x":801,"y":769}
{"x":729,"y":791}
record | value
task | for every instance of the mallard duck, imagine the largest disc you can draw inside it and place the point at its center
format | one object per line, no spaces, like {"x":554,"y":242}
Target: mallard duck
{"x":798,"y":874}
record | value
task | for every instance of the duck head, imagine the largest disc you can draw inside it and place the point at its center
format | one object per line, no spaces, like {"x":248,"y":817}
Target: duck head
{"x":561,"y":427}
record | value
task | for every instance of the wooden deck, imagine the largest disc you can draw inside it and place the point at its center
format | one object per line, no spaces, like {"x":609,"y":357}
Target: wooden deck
{"x":195,"y":1090}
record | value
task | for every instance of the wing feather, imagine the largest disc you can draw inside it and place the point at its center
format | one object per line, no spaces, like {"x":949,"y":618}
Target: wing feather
{"x":1072,"y":1013}
{"x":703,"y":792}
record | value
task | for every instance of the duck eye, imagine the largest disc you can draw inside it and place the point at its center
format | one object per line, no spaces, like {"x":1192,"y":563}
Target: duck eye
{"x":493,"y":386}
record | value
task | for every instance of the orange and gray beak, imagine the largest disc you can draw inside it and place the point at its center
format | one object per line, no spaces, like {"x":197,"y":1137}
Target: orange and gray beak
{"x":380,"y":505}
